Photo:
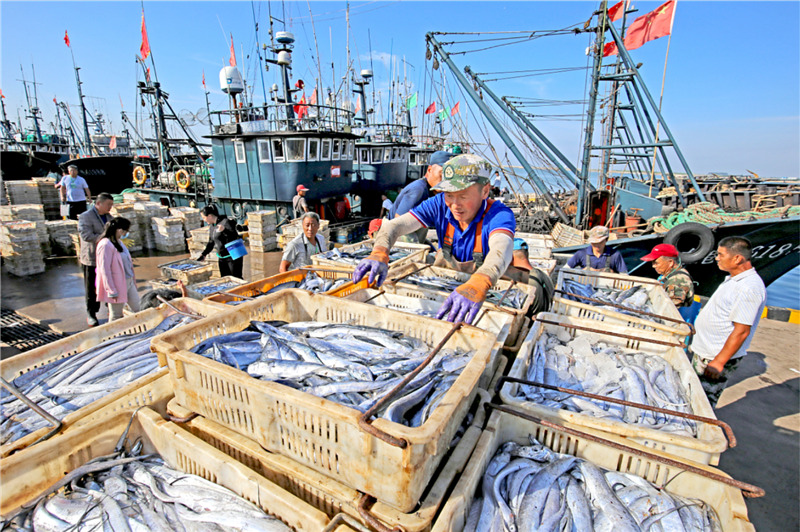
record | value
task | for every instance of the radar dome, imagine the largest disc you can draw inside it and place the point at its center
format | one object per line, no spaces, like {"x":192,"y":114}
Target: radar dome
{"x":230,"y":80}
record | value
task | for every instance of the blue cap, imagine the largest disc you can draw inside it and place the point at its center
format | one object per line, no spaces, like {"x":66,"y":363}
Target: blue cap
{"x":440,"y":157}
{"x":520,"y":244}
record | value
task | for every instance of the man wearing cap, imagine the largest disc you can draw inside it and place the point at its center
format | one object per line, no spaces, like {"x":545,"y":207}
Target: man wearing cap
{"x":476,"y":235}
{"x":596,"y":256}
{"x":374,"y":226}
{"x":673,"y":277}
{"x":299,"y":202}
{"x":417,"y":192}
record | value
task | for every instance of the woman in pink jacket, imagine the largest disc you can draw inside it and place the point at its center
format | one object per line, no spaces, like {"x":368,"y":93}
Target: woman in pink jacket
{"x":116,"y":284}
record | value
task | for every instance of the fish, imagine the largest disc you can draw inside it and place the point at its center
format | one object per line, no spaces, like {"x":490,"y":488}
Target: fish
{"x":635,"y":299}
{"x":215,"y":287}
{"x":311,"y":282}
{"x":534,"y":488}
{"x":355,"y":255}
{"x":514,"y":299}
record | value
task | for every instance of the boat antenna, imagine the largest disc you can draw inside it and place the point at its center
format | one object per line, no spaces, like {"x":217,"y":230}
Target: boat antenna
{"x":258,"y":54}
{"x":33,"y":109}
{"x":318,"y":84}
{"x":87,"y":140}
{"x":371,"y":67}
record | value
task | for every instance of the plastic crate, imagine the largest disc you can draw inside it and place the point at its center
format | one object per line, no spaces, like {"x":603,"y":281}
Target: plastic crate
{"x":705,"y":448}
{"x":147,"y":390}
{"x":394,"y":284}
{"x":25,"y":477}
{"x":232,"y":282}
{"x":197,"y":275}
{"x":726,"y":500}
{"x":262,"y":286}
{"x":329,"y":495}
{"x":548,"y":266}
{"x":418,"y":254}
{"x":314,"y":431}
{"x":659,"y":300}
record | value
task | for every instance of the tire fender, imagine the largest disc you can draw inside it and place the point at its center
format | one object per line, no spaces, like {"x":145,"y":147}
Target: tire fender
{"x":692,"y":231}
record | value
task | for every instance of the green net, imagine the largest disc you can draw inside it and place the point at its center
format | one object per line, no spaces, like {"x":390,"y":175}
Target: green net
{"x":711,"y":214}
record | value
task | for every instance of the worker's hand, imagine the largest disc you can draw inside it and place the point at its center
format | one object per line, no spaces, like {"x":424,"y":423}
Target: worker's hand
{"x":465,"y":302}
{"x":377,"y":264}
{"x":713,"y":370}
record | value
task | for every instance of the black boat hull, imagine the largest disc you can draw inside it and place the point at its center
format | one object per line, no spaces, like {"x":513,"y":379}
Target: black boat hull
{"x":105,"y":173}
{"x":20,"y":165}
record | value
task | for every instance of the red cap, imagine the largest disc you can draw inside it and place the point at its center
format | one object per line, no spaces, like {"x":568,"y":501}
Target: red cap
{"x":301,"y":187}
{"x":374,"y":225}
{"x":661,"y":250}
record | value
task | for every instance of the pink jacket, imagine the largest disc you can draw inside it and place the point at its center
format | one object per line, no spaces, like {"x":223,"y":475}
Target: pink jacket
{"x":110,"y":274}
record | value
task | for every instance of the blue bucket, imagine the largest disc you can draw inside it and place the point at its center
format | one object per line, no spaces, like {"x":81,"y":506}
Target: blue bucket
{"x":236,"y":249}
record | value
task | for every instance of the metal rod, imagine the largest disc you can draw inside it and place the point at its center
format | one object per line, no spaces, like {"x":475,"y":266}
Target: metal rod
{"x":748,"y":490}
{"x":371,"y":519}
{"x":597,"y":276}
{"x":682,"y":345}
{"x":179,"y":311}
{"x":51,"y":420}
{"x":380,"y":293}
{"x":692,"y":330}
{"x":240,"y":296}
{"x":364,"y":420}
{"x":711,"y":421}
{"x":409,"y":274}
{"x":185,"y":419}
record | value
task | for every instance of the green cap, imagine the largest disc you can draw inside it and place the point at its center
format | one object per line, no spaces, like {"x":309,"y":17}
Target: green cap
{"x":463,"y":171}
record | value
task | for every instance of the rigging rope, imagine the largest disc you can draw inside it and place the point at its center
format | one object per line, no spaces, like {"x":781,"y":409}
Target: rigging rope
{"x":711,"y":214}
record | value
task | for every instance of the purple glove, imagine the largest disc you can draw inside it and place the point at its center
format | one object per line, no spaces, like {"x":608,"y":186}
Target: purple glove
{"x":377,"y":269}
{"x":460,"y":308}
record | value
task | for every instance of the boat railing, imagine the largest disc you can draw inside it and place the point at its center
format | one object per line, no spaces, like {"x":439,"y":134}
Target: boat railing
{"x":387,"y":132}
{"x":305,"y":117}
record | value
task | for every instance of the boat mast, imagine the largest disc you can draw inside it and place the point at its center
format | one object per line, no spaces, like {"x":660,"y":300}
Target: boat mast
{"x":431,"y":40}
{"x":284,"y":60}
{"x":87,"y":137}
{"x":33,"y":108}
{"x":6,"y":122}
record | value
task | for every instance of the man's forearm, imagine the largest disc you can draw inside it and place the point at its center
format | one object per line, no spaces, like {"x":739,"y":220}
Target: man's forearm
{"x":501,"y":249}
{"x":393,"y":229}
{"x":732,"y":344}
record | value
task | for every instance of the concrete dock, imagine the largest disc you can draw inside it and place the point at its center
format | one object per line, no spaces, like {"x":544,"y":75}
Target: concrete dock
{"x":762,"y":402}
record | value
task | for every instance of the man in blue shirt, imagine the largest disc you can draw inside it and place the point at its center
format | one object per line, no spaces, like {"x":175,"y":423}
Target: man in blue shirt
{"x":417,"y":192}
{"x":74,"y":192}
{"x":476,"y":235}
{"x":596,"y":256}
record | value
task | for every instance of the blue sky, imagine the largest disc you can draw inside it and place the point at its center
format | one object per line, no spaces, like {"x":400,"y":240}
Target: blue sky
{"x":732,"y":93}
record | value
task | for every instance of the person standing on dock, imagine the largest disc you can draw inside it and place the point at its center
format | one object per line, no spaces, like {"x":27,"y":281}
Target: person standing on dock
{"x":74,"y":192}
{"x":299,"y":202}
{"x":91,"y":227}
{"x":116,"y":283}
{"x":476,"y":235}
{"x":596,"y":256}
{"x":417,"y":192}
{"x":727,"y":323}
{"x":673,"y":276}
{"x":386,"y":205}
{"x":222,"y":231}
{"x":298,"y":252}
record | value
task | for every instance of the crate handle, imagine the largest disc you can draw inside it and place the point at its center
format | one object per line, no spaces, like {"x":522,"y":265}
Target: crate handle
{"x":365,"y":422}
{"x":343,"y":518}
{"x":409,"y":274}
{"x":711,"y":421}
{"x":748,"y":490}
{"x":371,"y":520}
{"x":36,"y":408}
{"x":179,"y":311}
{"x":680,"y":344}
{"x":692,"y":330}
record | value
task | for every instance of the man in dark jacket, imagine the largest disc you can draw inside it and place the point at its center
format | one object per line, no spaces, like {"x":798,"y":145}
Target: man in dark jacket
{"x":91,"y":226}
{"x":222,"y":232}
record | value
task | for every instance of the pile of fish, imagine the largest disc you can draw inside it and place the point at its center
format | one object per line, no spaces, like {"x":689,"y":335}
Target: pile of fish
{"x":354,"y":256}
{"x":634,"y":298}
{"x":208,"y":289}
{"x":185,"y":267}
{"x":592,"y":366}
{"x":349,"y":364}
{"x":67,"y":384}
{"x":534,"y":488}
{"x":311,"y":282}
{"x":514,"y":299}
{"x":140,"y":493}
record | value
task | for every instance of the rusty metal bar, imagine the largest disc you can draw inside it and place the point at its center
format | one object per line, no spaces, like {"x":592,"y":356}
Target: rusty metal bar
{"x":591,"y":274}
{"x":721,"y":424}
{"x":51,"y":420}
{"x":380,"y":293}
{"x":186,"y":419}
{"x":179,"y":311}
{"x":409,"y":274}
{"x":238,"y":296}
{"x":681,"y":344}
{"x":748,"y":490}
{"x":642,"y":312}
{"x":371,"y":520}
{"x":364,"y":420}
{"x":326,"y":270}
{"x":343,"y":519}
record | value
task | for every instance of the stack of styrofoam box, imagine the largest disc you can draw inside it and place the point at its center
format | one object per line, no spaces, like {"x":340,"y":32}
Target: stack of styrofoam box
{"x":51,"y":200}
{"x":135,"y":240}
{"x":289,"y":231}
{"x":29,"y":213}
{"x":61,"y":236}
{"x":198,"y":242}
{"x":261,"y":228}
{"x":148,"y":210}
{"x":23,"y":192}
{"x":168,"y":233}
{"x":191,"y":218}
{"x":133,"y":197}
{"x":19,"y":245}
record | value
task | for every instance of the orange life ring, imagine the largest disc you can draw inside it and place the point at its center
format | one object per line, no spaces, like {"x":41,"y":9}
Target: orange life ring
{"x":182,"y":179}
{"x":139,"y":175}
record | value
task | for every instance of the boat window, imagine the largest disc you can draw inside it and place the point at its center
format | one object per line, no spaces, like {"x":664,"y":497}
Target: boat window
{"x":395,"y":154}
{"x":364,"y":155}
{"x":277,"y":150}
{"x":350,"y":149}
{"x":295,"y":149}
{"x":326,"y":150}
{"x":336,"y":148}
{"x":377,"y":155}
{"x":313,"y":149}
{"x":238,"y":147}
{"x":412,"y":158}
{"x":263,"y":151}
{"x":387,"y":155}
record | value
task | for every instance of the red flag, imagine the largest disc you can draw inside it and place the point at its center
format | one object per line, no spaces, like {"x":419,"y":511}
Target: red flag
{"x":358,"y":106}
{"x":204,"y":78}
{"x":66,"y":38}
{"x":431,"y":109}
{"x":112,"y":145}
{"x":54,"y":100}
{"x":609,"y":48}
{"x":120,"y":102}
{"x":616,"y":11}
{"x":649,"y":27}
{"x":313,"y":100}
{"x":147,"y":74}
{"x":233,"y":54}
{"x":144,"y":49}
{"x":301,"y":109}
{"x":1,"y":94}
{"x":454,"y":110}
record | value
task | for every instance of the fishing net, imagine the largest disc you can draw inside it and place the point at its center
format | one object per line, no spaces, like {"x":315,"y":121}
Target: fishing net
{"x":711,"y":214}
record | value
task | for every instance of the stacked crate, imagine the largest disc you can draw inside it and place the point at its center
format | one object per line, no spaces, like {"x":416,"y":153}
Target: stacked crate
{"x":133,"y":197}
{"x":61,"y":234}
{"x":23,"y":192}
{"x":168,"y":234}
{"x":135,"y":240}
{"x":289,"y":231}
{"x":20,"y":247}
{"x":197,"y":243}
{"x":190,"y":217}
{"x":51,"y":199}
{"x":29,"y":213}
{"x":147,"y":211}
{"x":261,"y":228}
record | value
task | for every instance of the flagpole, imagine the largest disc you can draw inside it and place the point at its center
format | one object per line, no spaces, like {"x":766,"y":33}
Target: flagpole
{"x":149,"y":49}
{"x":660,"y":100}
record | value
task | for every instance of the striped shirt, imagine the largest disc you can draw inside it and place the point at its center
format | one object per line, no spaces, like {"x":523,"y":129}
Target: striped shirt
{"x":738,"y":299}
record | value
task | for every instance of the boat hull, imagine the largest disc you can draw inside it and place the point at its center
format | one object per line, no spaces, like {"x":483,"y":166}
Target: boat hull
{"x":105,"y":173}
{"x":19,"y":165}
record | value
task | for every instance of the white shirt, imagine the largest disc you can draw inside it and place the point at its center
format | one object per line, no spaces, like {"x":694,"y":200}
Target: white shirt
{"x":75,"y":188}
{"x":300,"y":249}
{"x":387,"y":204}
{"x":738,"y":299}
